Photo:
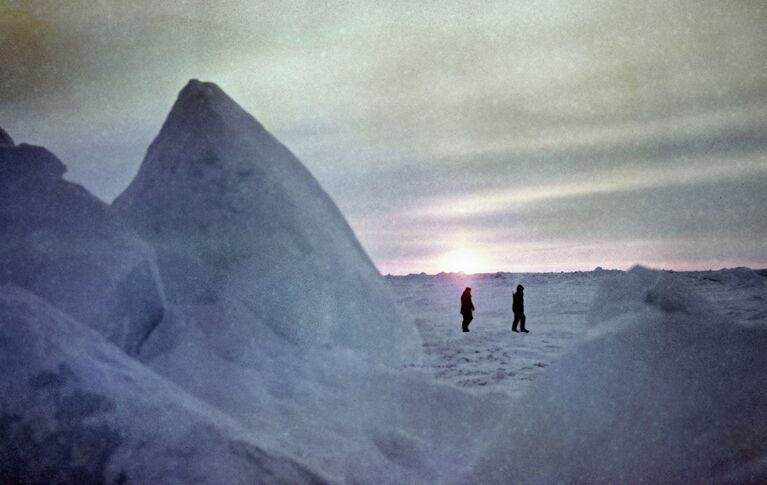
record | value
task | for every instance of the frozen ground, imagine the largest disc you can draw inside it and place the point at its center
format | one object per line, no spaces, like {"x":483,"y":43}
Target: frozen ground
{"x":493,"y":358}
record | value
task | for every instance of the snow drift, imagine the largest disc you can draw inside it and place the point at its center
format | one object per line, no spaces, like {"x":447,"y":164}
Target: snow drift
{"x":63,"y":244}
{"x":663,"y":389}
{"x":234,"y":216}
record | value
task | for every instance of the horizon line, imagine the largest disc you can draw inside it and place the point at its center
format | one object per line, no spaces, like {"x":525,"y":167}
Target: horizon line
{"x":597,"y":269}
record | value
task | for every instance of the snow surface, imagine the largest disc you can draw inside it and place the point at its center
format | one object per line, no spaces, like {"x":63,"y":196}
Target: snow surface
{"x":560,"y":309}
{"x":491,"y":357}
{"x":657,"y":384}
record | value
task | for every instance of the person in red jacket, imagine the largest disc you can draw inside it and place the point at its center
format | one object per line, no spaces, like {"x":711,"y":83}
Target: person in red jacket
{"x":518,"y":307}
{"x":467,"y":307}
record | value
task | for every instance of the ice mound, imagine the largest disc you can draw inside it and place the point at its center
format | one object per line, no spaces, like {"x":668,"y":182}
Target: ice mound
{"x":736,"y":278}
{"x":65,"y":245}
{"x":233,"y":215}
{"x":665,"y":391}
{"x":642,"y":290}
{"x":75,"y":409}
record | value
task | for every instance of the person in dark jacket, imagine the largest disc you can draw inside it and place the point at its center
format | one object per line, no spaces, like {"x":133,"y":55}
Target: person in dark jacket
{"x":518,"y":307}
{"x":467,"y":307}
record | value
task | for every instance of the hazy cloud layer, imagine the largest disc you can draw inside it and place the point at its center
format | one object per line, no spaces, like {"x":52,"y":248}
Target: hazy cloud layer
{"x":537,"y":135}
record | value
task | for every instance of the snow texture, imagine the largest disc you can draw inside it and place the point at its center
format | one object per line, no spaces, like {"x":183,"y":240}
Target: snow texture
{"x":63,"y":244}
{"x":234,"y":216}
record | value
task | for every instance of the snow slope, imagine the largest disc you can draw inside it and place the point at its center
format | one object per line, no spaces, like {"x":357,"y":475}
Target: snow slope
{"x":62,"y":243}
{"x":233,"y":215}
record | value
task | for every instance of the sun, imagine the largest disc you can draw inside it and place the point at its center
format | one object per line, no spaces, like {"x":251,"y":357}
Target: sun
{"x":461,"y":260}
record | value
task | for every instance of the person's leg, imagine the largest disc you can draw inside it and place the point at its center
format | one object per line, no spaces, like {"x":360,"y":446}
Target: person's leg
{"x":516,"y":321}
{"x":465,"y":326}
{"x":522,"y":324}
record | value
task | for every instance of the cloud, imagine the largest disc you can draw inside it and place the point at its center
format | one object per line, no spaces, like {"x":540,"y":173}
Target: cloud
{"x":627,"y":177}
{"x":36,"y":56}
{"x":500,"y":123}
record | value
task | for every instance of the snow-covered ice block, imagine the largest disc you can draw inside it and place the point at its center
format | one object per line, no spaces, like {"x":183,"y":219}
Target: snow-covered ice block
{"x":737,"y":278}
{"x":65,"y":245}
{"x":75,"y":409}
{"x":642,"y":290}
{"x":232,"y":214}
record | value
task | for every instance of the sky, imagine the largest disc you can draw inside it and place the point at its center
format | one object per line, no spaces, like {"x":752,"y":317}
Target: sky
{"x":474,"y":136}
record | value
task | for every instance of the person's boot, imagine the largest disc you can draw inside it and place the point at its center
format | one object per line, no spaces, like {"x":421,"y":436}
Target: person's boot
{"x":524,"y":330}
{"x":514,"y":329}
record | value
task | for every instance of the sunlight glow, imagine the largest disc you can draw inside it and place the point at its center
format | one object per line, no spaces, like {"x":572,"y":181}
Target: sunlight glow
{"x":462,"y":260}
